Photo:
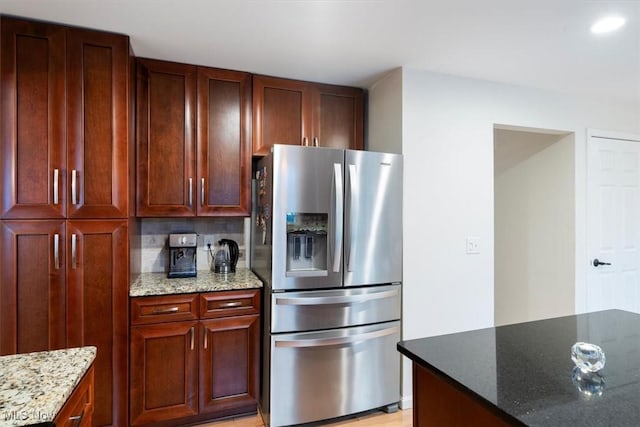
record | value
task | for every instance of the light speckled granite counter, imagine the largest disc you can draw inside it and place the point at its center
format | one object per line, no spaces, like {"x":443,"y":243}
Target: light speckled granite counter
{"x":35,"y":386}
{"x":147,"y":284}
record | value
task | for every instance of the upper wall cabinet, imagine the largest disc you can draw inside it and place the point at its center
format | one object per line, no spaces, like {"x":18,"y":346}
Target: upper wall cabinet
{"x":193,"y":133}
{"x":64,"y":122}
{"x":302,"y":113}
{"x":224,"y":142}
{"x":166,"y":104}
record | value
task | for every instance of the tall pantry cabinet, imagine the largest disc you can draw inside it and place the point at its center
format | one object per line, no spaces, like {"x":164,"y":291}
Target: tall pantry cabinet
{"x":64,"y":254}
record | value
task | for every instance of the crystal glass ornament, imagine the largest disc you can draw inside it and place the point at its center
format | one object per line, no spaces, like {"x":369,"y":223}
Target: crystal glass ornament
{"x":588,"y":357}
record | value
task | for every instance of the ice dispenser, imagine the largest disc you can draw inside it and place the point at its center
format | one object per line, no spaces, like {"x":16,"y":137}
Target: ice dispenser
{"x":306,"y":244}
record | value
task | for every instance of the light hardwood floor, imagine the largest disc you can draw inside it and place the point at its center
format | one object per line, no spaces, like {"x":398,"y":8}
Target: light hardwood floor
{"x":402,"y":418}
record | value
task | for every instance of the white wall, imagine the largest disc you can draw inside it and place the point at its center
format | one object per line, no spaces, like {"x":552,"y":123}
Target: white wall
{"x":534,"y":220}
{"x":447,"y":142}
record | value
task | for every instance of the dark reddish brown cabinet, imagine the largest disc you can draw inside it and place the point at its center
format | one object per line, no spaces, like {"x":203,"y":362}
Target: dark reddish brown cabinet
{"x":194,"y":357}
{"x":303,"y":113}
{"x":229,"y":359}
{"x":193,"y":138}
{"x":97,"y":300}
{"x":78,"y":409}
{"x":33,"y":127}
{"x":33,"y":291}
{"x":64,"y":109}
{"x":63,"y":162}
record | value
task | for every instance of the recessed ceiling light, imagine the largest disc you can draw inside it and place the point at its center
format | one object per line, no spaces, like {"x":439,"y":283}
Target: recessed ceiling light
{"x":607,"y":24}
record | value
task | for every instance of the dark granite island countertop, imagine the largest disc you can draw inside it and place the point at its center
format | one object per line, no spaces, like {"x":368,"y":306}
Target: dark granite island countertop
{"x":523,"y":373}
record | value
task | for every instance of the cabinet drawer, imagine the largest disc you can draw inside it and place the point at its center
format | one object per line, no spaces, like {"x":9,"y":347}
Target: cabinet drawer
{"x":78,"y":410}
{"x":146,"y":310}
{"x":231,"y":303}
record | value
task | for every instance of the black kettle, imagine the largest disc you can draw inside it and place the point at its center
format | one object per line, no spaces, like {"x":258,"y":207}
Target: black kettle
{"x":234,"y":252}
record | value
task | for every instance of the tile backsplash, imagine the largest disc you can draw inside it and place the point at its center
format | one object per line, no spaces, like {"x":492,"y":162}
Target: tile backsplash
{"x":154,"y":250}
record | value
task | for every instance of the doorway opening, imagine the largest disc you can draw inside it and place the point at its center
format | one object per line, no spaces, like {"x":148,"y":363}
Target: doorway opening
{"x":534,"y":224}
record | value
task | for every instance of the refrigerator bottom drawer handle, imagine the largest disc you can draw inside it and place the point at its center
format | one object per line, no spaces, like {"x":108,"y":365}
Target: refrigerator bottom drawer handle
{"x":347,"y":299}
{"x":325,"y":342}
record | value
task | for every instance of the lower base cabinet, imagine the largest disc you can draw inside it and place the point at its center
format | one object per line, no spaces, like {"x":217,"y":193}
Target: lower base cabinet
{"x":194,"y":357}
{"x":78,"y":410}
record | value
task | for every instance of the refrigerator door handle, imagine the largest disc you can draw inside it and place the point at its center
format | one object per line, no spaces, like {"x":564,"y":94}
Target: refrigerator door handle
{"x":354,"y":193}
{"x":337,"y":299}
{"x":324,"y":342}
{"x":339,"y":204}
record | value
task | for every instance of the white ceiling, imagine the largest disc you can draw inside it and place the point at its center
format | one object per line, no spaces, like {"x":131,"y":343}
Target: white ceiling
{"x":537,"y":43}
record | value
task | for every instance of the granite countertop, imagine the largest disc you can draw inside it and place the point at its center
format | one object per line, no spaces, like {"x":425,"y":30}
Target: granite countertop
{"x":35,"y":386}
{"x":526,"y":371}
{"x":147,"y":284}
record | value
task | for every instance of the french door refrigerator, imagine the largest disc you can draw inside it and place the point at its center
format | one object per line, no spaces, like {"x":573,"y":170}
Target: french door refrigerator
{"x":327,"y":242}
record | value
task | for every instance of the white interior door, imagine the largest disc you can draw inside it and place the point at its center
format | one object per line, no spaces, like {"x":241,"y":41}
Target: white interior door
{"x":613,"y":221}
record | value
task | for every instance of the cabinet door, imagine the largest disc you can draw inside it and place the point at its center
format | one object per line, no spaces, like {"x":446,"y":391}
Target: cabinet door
{"x":338,"y":117}
{"x":223,"y":141}
{"x":32,"y":286}
{"x":97,"y":126}
{"x":164,"y":372}
{"x":32,"y":127}
{"x":281,"y":113}
{"x":166,"y":106}
{"x":97,"y":301}
{"x":229,"y":370}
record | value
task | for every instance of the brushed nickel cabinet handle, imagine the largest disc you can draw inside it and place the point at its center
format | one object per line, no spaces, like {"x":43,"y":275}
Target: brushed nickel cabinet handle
{"x":56,"y":251}
{"x":202,"y":192}
{"x":305,"y":142}
{"x":190,"y":192}
{"x":165,"y":310}
{"x":193,"y":337}
{"x":73,"y":250}
{"x":231,"y":304}
{"x":56,"y":184}
{"x":206,"y":339}
{"x":74,"y":187}
{"x":316,"y":143}
{"x":76,"y":420}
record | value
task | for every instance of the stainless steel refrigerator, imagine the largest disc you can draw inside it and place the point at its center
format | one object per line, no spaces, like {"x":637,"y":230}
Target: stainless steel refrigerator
{"x":327,"y":242}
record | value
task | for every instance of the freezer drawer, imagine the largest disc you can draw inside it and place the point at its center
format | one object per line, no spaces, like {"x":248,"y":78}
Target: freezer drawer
{"x":321,"y":375}
{"x":316,"y":310}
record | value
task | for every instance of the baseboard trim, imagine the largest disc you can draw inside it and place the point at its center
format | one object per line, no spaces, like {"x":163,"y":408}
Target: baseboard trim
{"x":406,"y":402}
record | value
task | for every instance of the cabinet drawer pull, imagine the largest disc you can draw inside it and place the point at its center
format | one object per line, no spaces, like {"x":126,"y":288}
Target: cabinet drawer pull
{"x":190,"y":192}
{"x":193,"y":337}
{"x":74,"y":187}
{"x":56,"y":182}
{"x":202,"y":192}
{"x":165,"y":310}
{"x":305,"y":142}
{"x":316,"y":142}
{"x":231,"y":304}
{"x":206,"y":339}
{"x":76,"y":420}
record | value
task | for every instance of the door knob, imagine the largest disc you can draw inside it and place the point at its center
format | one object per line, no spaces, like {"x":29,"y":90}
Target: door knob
{"x":597,"y":262}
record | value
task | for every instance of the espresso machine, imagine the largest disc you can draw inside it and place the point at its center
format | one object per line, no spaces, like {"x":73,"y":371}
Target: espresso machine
{"x":182,"y":255}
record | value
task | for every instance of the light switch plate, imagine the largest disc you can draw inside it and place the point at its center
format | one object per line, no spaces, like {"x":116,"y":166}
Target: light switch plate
{"x":473,"y":245}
